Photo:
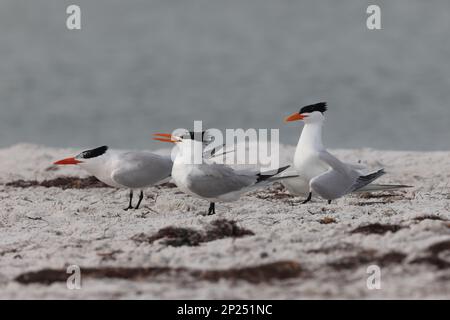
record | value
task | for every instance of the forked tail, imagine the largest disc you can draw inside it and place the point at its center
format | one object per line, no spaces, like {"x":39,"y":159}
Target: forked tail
{"x":362,"y":181}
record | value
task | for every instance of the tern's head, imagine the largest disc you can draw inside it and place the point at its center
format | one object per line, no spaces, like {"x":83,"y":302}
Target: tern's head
{"x":309,"y":114}
{"x":187,"y":138}
{"x":86,"y":158}
{"x":190,"y":144}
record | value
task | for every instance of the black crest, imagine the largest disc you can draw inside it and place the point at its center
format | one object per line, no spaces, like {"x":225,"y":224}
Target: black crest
{"x":321,"y":107}
{"x":195,"y":136}
{"x":93,"y":153}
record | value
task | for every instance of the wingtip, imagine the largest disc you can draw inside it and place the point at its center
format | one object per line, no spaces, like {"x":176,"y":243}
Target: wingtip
{"x":281,"y":169}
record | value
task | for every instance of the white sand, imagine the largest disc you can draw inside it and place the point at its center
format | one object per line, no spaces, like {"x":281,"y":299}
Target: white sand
{"x":52,"y":228}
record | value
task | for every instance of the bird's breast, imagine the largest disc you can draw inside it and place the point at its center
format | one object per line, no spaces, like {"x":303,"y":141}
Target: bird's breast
{"x":308,"y":164}
{"x":182,"y":174}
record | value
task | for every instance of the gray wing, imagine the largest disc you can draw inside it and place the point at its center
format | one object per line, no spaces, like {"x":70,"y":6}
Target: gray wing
{"x":212,"y":180}
{"x":332,"y":184}
{"x":350,"y":171}
{"x":337,"y":181}
{"x":340,"y":179}
{"x":334,"y":162}
{"x":141,"y":169}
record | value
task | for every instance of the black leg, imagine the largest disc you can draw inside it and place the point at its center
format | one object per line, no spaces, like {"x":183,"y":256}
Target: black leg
{"x":308,"y":199}
{"x":212,"y":209}
{"x":141,"y":196}
{"x":329,"y":201}
{"x":130,"y":203}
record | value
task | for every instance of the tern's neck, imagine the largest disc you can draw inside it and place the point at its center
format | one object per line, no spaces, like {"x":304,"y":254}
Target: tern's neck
{"x":311,"y":136}
{"x":189,"y":152}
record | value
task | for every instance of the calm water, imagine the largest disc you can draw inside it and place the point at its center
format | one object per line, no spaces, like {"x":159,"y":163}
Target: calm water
{"x":137,"y":67}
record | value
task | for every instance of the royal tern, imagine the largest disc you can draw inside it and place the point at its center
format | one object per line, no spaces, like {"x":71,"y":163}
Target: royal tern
{"x":319,"y":171}
{"x":208,"y":180}
{"x":123,"y":169}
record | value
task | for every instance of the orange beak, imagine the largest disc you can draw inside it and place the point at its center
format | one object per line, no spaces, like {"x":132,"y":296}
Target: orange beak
{"x":68,"y":161}
{"x":294,"y":117}
{"x":164,"y":137}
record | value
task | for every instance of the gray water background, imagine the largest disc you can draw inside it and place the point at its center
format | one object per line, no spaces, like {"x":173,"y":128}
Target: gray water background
{"x":142,"y":66}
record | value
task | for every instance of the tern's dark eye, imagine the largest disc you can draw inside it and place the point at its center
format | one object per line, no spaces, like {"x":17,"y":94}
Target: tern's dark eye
{"x":93,"y":153}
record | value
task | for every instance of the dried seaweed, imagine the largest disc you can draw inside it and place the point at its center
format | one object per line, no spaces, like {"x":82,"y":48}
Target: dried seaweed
{"x":178,"y":236}
{"x":377,"y":228}
{"x":280,"y":270}
{"x":60,"y":182}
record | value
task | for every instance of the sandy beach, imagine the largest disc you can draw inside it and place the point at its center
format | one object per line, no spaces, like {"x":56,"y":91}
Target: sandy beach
{"x":267,"y":245}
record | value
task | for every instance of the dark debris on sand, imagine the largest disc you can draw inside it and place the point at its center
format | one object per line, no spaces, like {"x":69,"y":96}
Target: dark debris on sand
{"x":434,"y":254}
{"x":327,"y":220}
{"x":365,"y":257}
{"x":178,"y":236}
{"x":275,"y":192}
{"x":273,"y":195}
{"x":429,"y":217}
{"x":379,"y":198}
{"x":60,"y":182}
{"x":377,"y":228}
{"x":174,"y":236}
{"x":166,"y":185}
{"x":371,"y":195}
{"x":280,"y":270}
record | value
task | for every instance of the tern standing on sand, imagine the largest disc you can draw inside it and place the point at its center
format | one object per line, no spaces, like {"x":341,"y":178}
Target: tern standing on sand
{"x":319,"y":171}
{"x":123,"y":169}
{"x":207,"y":180}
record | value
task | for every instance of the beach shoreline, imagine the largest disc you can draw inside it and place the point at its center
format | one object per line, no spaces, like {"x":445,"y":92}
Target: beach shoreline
{"x":299,"y":251}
